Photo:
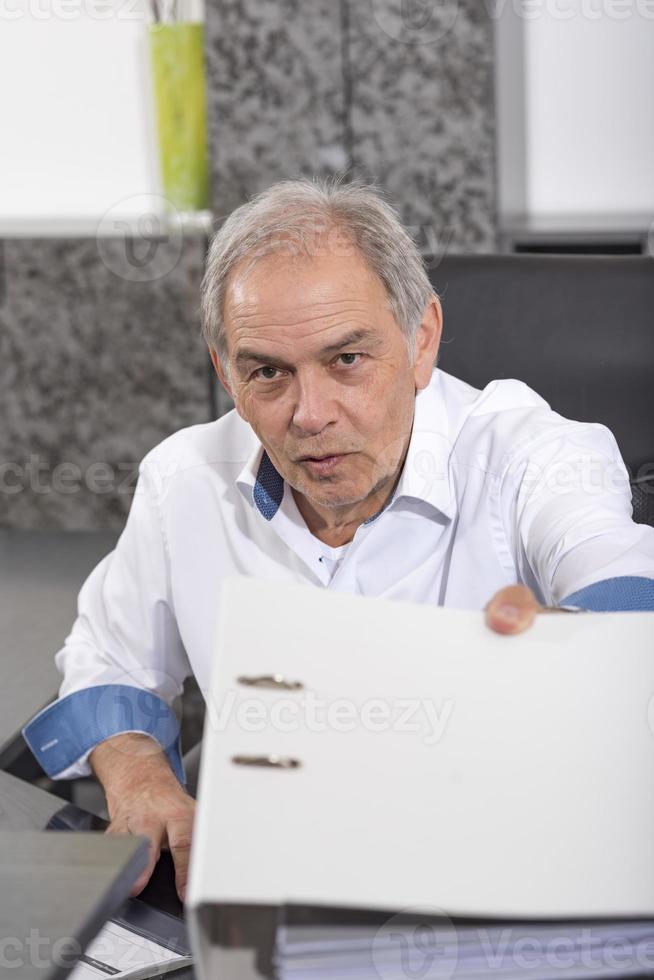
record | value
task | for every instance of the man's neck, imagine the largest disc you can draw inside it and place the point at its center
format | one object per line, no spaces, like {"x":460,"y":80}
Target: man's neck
{"x":336,"y":526}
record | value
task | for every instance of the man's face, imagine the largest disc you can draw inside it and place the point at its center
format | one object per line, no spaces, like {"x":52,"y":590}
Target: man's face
{"x":319,"y":368}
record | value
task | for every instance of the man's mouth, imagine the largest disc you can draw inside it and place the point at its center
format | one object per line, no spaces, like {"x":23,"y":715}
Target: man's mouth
{"x":317,"y":458}
{"x":322,"y":464}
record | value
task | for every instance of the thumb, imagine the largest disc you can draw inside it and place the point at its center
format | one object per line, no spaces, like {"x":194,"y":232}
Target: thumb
{"x":512,"y":610}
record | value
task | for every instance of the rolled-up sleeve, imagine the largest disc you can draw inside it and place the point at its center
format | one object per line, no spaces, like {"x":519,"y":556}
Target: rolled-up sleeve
{"x":123,"y":663}
{"x":570,"y":516}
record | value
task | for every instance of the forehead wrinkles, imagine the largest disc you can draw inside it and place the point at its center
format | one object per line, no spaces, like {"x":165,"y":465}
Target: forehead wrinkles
{"x":296,"y":290}
{"x":325,"y":314}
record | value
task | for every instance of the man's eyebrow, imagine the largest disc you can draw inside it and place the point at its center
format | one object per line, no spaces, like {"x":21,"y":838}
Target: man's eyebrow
{"x":356,"y":336}
{"x":245,"y":355}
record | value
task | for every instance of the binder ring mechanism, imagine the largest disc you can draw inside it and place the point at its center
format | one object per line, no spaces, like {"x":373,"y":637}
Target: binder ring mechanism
{"x":267,"y":761}
{"x":275,"y":681}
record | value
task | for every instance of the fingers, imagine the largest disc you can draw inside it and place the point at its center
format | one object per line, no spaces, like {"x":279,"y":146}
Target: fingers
{"x":155,"y":835}
{"x":179,"y":842}
{"x":164,"y":814}
{"x":512,"y":610}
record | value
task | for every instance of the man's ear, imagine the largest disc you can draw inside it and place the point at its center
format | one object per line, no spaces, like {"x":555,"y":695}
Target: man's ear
{"x":427,"y":342}
{"x":215,"y":360}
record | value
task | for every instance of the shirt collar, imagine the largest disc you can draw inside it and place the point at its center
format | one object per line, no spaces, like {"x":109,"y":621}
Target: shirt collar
{"x":425,"y":475}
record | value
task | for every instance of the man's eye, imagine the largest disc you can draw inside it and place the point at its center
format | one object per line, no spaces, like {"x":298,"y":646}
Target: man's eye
{"x":349,"y":358}
{"x":266,"y":373}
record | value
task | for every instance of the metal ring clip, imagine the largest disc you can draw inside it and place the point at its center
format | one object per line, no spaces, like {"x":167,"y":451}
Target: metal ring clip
{"x":276,"y":681}
{"x":267,"y":761}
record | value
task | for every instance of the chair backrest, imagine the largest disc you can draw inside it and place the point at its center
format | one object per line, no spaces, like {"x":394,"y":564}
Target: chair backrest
{"x":579,"y":330}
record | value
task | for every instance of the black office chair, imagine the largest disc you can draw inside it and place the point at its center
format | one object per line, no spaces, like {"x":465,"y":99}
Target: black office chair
{"x":579,"y":330}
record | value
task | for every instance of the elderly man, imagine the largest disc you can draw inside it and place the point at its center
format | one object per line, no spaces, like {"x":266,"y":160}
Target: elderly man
{"x":350,"y":463}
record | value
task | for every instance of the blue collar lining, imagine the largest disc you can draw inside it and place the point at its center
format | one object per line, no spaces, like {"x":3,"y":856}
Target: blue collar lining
{"x":268,"y":491}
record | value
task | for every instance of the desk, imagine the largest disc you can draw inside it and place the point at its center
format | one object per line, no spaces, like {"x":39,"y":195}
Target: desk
{"x":93,"y":873}
{"x":40,"y":576}
{"x":26,"y":808}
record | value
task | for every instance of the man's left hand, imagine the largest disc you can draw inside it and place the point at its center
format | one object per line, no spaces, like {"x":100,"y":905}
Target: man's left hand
{"x":512,"y":610}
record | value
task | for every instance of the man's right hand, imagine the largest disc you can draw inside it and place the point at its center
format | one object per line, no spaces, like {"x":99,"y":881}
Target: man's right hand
{"x":145,"y":798}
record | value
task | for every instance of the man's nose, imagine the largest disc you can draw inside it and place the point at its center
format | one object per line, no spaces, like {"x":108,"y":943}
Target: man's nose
{"x":315,"y":405}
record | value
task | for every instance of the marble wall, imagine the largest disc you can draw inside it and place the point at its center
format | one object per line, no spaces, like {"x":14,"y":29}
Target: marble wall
{"x":400,"y":91}
{"x":422,"y":119}
{"x":99,"y":362}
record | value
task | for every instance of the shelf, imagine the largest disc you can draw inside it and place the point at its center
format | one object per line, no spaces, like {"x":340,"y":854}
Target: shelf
{"x":609,"y":232}
{"x":189,"y":224}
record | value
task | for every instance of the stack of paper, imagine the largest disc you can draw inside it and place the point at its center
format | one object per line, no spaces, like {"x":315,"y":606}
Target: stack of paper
{"x":442,"y":950}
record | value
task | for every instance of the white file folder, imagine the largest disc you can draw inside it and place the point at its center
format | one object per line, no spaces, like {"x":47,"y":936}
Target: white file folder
{"x":425,"y":763}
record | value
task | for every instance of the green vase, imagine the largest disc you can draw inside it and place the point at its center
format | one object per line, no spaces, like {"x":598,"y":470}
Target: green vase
{"x":177,"y":55}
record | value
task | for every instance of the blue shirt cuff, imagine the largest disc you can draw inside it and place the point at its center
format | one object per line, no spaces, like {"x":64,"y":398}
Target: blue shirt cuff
{"x":627,"y":593}
{"x":69,"y":728}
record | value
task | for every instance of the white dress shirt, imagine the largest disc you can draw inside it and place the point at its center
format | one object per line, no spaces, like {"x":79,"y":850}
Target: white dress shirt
{"x":496,"y":489}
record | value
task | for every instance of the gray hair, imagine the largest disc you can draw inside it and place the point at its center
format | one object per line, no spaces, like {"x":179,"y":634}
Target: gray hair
{"x":303,"y":216}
